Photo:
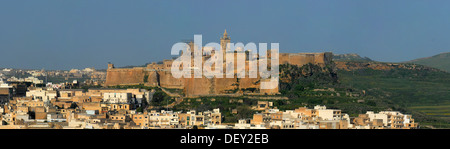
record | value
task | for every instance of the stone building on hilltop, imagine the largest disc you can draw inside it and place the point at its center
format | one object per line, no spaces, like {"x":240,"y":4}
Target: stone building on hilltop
{"x":159,"y":74}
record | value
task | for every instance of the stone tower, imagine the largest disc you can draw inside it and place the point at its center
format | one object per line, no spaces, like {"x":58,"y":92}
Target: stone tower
{"x":110,"y":66}
{"x":224,"y":40}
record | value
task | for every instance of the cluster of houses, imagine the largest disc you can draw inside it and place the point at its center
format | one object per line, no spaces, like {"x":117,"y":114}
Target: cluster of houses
{"x":48,"y":107}
{"x":44,"y":108}
{"x":321,"y":118}
{"x":65,"y":107}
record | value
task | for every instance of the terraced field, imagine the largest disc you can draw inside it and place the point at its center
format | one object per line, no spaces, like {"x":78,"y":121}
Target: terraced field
{"x":442,"y":111}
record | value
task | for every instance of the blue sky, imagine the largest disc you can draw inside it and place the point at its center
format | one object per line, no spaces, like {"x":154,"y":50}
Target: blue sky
{"x":55,"y":34}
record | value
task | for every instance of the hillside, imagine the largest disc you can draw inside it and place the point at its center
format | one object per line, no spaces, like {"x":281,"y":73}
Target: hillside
{"x":357,"y":87}
{"x":440,"y":61}
{"x":350,"y":57}
{"x":352,"y":86}
{"x":419,"y":90}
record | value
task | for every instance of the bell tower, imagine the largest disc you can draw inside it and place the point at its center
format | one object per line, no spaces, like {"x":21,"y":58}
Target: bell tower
{"x":224,"y":40}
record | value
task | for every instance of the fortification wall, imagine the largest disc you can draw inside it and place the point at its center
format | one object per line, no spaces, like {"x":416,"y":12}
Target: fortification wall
{"x":152,"y":79}
{"x":159,"y":74}
{"x":166,"y":80}
{"x":198,"y":86}
{"x":124,"y":76}
{"x":301,"y":59}
{"x":269,"y":91}
{"x":224,"y":85}
{"x":247,"y":83}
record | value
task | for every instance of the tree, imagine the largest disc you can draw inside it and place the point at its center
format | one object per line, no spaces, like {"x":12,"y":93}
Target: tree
{"x":158,"y":97}
{"x":244,"y":112}
{"x":73,"y":105}
{"x":140,"y":109}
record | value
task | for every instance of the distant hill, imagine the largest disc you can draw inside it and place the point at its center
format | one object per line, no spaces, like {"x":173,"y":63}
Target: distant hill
{"x":350,"y":57}
{"x":440,"y":61}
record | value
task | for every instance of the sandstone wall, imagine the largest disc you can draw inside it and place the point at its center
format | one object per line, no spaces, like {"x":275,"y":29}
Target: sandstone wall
{"x":166,"y":80}
{"x":246,"y":83}
{"x":198,"y":86}
{"x":224,"y":85}
{"x":301,"y":59}
{"x":152,"y":79}
{"x":124,"y":76}
{"x":159,"y":74}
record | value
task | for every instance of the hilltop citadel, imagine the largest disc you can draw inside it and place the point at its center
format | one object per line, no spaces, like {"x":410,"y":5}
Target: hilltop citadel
{"x":158,"y":74}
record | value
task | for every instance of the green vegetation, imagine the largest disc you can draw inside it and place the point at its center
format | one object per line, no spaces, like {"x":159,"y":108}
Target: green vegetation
{"x":295,"y":81}
{"x":87,"y":87}
{"x":440,"y":61}
{"x":140,"y":109}
{"x":423,"y":93}
{"x":312,"y":85}
{"x":161,"y":99}
{"x":175,"y":90}
{"x":402,"y":86}
{"x":146,"y":78}
{"x":225,"y":104}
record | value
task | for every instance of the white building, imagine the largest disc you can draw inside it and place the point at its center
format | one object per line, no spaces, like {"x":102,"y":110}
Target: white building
{"x":34,"y":80}
{"x":88,"y":70}
{"x":245,"y":124}
{"x":163,"y":118}
{"x":117,"y":97}
{"x":42,"y":94}
{"x":391,"y":119}
{"x":54,"y":117}
{"x":328,"y":114}
{"x":23,"y":116}
{"x":210,"y":126}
